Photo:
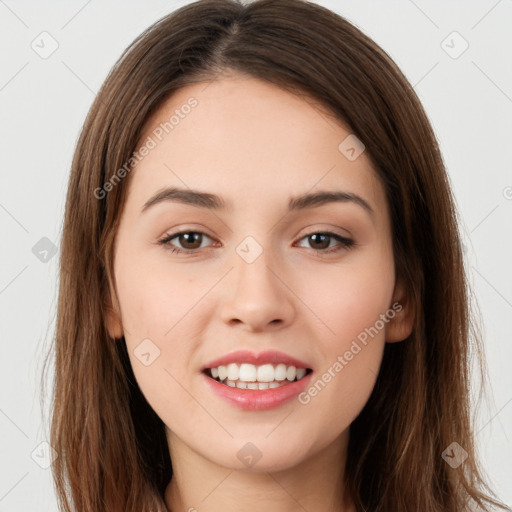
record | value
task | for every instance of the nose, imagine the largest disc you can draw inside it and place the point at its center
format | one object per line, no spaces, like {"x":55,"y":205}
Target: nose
{"x":261,"y":298}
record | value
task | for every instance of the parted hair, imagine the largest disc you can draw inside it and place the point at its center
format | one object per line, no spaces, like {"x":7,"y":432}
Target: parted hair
{"x":111,"y":446}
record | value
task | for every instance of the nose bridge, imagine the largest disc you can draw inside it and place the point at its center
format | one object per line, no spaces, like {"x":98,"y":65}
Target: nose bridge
{"x":255,"y":267}
{"x":259,"y":296}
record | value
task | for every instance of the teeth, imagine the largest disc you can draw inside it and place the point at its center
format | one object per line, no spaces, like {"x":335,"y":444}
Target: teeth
{"x":280,"y":372}
{"x":223,"y":372}
{"x":232,"y":371}
{"x":247,"y":372}
{"x":300,"y":373}
{"x":249,"y":376}
{"x":266,"y":373}
{"x":253,"y":385}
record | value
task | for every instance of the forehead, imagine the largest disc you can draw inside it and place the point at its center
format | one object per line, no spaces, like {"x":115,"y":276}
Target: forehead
{"x":248,"y":140}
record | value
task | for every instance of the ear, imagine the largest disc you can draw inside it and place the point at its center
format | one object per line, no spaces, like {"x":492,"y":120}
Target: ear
{"x":112,"y":318}
{"x":400,"y":326}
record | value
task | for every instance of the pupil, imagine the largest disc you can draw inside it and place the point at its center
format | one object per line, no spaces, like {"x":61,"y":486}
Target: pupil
{"x":192,"y":235}
{"x":316,"y":235}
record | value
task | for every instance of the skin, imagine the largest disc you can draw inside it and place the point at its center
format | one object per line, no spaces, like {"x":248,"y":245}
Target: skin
{"x":255,"y":145}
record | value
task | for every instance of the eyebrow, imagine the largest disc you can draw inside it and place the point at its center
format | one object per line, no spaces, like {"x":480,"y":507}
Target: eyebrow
{"x":215,"y":202}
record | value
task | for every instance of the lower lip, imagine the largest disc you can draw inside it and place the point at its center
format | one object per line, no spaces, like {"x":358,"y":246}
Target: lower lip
{"x":258,"y":399}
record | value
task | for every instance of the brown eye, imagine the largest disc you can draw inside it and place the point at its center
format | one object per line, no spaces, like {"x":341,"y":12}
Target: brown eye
{"x":321,"y":242}
{"x":188,"y":241}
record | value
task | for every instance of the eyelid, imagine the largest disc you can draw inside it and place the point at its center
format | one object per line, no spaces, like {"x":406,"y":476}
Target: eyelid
{"x":310,"y":230}
{"x":330,"y":228}
{"x":186,"y":229}
{"x":344,"y":242}
{"x":168,"y":236}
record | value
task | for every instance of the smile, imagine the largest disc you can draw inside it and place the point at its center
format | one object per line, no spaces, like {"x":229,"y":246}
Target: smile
{"x":249,"y":376}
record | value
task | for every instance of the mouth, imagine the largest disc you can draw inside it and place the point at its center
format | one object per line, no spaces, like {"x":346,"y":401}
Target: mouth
{"x":256,"y":377}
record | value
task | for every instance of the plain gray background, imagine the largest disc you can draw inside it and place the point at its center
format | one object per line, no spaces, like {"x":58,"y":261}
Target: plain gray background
{"x":467,"y":93}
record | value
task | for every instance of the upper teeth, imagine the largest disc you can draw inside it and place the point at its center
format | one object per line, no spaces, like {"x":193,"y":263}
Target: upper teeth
{"x":250,"y":373}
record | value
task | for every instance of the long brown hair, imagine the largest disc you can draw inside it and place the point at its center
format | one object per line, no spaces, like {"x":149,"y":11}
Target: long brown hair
{"x":111,"y":446}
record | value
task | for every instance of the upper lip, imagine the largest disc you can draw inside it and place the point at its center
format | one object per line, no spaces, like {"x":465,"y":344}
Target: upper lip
{"x":257,"y":359}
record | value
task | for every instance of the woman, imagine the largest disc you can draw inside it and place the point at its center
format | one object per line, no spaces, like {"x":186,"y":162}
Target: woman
{"x":256,"y":369}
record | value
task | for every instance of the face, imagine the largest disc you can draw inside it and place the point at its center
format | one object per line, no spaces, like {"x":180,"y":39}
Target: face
{"x":315,"y":282}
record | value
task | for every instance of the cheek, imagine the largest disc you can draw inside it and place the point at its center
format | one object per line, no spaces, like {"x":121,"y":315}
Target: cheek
{"x":155,"y":296}
{"x":159,"y":307}
{"x":351,"y":354}
{"x":337,"y":395}
{"x":351,"y":339}
{"x":347,"y":299}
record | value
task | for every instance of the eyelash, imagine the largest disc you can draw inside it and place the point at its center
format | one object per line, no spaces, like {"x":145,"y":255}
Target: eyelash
{"x":346,"y":243}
